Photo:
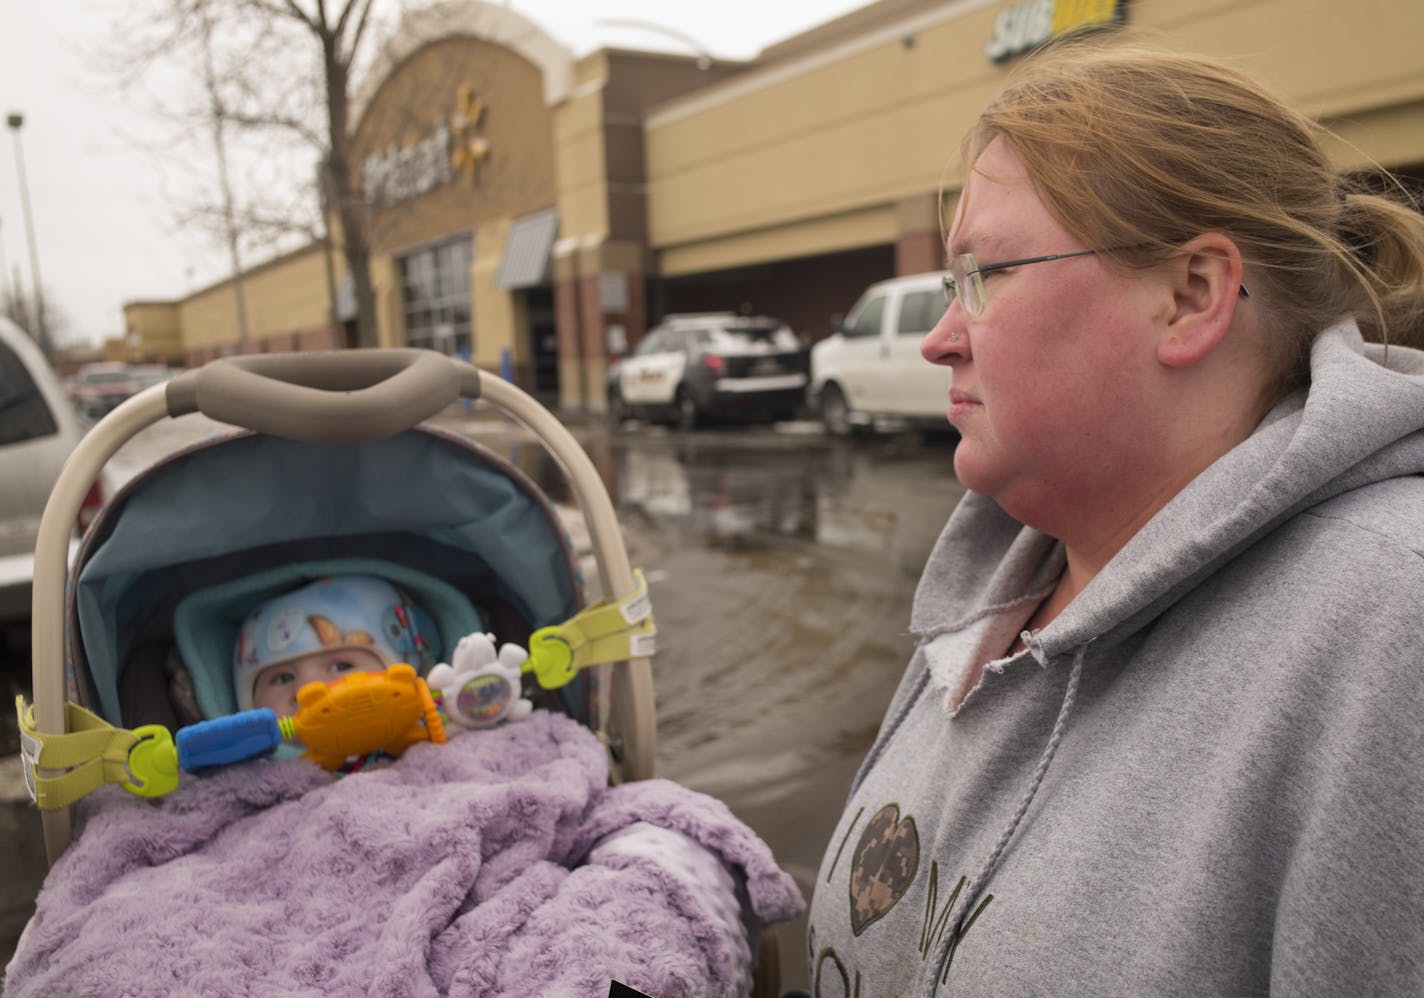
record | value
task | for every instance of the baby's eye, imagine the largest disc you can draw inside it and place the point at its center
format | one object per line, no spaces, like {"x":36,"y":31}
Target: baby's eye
{"x":341,"y":665}
{"x":281,"y":678}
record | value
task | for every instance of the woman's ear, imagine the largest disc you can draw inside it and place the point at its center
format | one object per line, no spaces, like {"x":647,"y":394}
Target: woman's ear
{"x":1206,"y":288}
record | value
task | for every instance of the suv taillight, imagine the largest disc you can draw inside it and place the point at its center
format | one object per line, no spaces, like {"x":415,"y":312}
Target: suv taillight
{"x":93,"y":502}
{"x":714,"y":363}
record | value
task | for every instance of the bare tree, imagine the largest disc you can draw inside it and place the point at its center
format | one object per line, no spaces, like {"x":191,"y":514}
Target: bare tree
{"x":217,"y":120}
{"x":18,"y":305}
{"x":338,"y":28}
{"x":276,"y":80}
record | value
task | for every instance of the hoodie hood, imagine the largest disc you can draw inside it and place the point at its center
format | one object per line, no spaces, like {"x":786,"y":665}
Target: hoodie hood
{"x":1359,"y":423}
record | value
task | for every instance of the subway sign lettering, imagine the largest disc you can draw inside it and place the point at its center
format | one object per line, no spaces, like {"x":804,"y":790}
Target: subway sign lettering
{"x":1028,"y":25}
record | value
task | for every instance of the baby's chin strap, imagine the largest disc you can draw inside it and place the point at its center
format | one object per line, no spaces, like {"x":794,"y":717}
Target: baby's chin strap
{"x":970,"y":895}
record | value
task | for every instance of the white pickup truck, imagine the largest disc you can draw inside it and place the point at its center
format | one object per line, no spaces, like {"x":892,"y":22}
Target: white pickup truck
{"x":869,"y":374}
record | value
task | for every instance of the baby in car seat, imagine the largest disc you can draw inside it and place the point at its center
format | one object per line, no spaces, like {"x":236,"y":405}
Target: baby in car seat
{"x":322,"y":631}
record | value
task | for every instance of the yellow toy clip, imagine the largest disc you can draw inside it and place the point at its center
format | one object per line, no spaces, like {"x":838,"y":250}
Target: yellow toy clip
{"x":153,"y":762}
{"x":603,"y":632}
{"x":61,"y":767}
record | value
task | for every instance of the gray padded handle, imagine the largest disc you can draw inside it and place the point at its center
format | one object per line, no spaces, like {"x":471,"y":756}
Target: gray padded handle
{"x":330,"y":397}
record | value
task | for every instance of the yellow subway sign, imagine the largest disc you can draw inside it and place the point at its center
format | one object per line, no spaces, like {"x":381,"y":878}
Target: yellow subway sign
{"x":1028,"y":25}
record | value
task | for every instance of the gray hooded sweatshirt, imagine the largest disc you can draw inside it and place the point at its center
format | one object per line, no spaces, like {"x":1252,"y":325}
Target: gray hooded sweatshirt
{"x":1204,"y":777}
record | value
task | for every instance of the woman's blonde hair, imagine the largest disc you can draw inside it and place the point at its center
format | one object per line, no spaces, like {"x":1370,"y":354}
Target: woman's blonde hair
{"x":1141,"y":148}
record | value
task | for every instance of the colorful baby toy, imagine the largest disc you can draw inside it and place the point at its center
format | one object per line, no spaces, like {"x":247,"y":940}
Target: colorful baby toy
{"x":362,"y":713}
{"x":355,"y":715}
{"x":481,"y":688}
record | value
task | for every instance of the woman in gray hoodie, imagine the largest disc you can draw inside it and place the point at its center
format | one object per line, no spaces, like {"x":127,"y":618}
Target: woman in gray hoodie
{"x":1163,"y":733}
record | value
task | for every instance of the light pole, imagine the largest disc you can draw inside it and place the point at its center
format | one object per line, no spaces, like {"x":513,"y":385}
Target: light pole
{"x":15,"y":119}
{"x":5,"y":291}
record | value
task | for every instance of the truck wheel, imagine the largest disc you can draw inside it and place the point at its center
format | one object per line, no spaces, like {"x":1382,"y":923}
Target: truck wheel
{"x":617,"y":408}
{"x":835,"y":412}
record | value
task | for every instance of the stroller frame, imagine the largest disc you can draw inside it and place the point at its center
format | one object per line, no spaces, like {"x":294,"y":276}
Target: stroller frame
{"x":337,"y":397}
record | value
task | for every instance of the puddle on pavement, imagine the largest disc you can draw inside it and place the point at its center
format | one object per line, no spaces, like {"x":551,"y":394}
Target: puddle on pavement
{"x":884,"y":498}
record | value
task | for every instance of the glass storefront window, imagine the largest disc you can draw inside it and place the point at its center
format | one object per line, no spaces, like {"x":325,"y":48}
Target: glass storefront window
{"x":435,"y":296}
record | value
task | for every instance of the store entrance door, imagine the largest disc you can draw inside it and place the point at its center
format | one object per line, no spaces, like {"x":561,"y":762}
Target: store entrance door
{"x":543,"y":346}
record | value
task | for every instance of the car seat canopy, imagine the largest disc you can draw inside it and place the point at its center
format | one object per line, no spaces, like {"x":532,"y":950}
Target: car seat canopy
{"x":240,"y":515}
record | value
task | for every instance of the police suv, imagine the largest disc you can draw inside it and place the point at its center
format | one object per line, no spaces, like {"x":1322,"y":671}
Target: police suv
{"x":691,"y":367}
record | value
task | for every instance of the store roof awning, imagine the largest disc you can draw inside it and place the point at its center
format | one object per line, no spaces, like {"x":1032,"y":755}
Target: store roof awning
{"x":526,"y":251}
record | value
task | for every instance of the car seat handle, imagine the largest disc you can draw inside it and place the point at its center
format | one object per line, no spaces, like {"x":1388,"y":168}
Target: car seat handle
{"x":330,"y":397}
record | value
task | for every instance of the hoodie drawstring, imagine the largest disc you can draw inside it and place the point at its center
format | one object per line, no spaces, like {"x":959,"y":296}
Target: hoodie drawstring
{"x":968,"y":897}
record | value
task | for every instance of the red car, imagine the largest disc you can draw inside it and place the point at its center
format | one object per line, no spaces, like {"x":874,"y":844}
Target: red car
{"x":99,"y":387}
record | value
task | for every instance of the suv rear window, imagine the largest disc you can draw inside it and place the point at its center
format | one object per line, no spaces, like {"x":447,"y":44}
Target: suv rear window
{"x":752,"y":330}
{"x":24,"y":414}
{"x":746,"y":336}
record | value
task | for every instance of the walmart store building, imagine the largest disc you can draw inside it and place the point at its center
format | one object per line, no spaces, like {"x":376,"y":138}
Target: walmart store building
{"x":540,"y":211}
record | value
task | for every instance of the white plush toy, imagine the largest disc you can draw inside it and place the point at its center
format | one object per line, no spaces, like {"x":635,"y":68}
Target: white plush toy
{"x":481,"y":688}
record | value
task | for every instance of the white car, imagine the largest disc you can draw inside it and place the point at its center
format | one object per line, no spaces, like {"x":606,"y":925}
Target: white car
{"x":691,"y":367}
{"x":38,"y":429}
{"x":870,"y":371}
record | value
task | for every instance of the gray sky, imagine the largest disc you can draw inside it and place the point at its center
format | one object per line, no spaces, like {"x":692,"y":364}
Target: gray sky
{"x":102,"y":233}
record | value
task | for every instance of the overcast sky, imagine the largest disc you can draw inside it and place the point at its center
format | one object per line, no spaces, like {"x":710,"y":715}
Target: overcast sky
{"x":102,"y":233}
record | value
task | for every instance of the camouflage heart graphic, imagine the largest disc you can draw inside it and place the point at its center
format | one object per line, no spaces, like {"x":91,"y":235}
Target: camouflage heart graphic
{"x":883,"y":867}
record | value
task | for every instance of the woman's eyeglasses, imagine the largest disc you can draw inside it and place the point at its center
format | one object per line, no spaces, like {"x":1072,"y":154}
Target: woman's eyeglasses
{"x":965,"y":279}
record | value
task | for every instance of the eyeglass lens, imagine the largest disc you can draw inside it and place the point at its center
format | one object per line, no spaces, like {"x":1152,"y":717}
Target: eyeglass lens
{"x":962,"y":282}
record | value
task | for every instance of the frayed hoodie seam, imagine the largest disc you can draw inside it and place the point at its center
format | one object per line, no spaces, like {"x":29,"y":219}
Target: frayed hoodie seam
{"x":929,"y":634}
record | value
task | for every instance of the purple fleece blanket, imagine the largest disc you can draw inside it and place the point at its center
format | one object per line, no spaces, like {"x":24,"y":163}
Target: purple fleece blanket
{"x":458,"y":869}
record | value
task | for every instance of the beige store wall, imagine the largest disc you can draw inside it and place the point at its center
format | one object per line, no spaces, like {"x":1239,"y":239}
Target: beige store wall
{"x":850,"y":128}
{"x":579,"y":158}
{"x":601,"y":179}
{"x":151,"y":332}
{"x":496,"y":315}
{"x":288,"y":304}
{"x":385,"y":287}
{"x":855,"y":128}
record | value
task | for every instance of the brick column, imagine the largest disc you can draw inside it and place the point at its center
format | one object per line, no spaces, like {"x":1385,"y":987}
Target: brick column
{"x":918,"y":248}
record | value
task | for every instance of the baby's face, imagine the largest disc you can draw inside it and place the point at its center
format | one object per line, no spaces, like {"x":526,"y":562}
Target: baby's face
{"x":276,"y":686}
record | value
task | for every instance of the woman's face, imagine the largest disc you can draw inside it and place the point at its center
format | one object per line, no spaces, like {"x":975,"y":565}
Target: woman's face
{"x":1053,"y":380}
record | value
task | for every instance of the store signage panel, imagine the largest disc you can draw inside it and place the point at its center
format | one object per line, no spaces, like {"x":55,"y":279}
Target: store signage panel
{"x":398,"y":173}
{"x":1028,"y":25}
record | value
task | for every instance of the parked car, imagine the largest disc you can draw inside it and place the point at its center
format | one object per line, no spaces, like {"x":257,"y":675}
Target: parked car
{"x":38,"y":429}
{"x":144,"y":375}
{"x":98,"y":388}
{"x":870,"y":371}
{"x":694,"y":366}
